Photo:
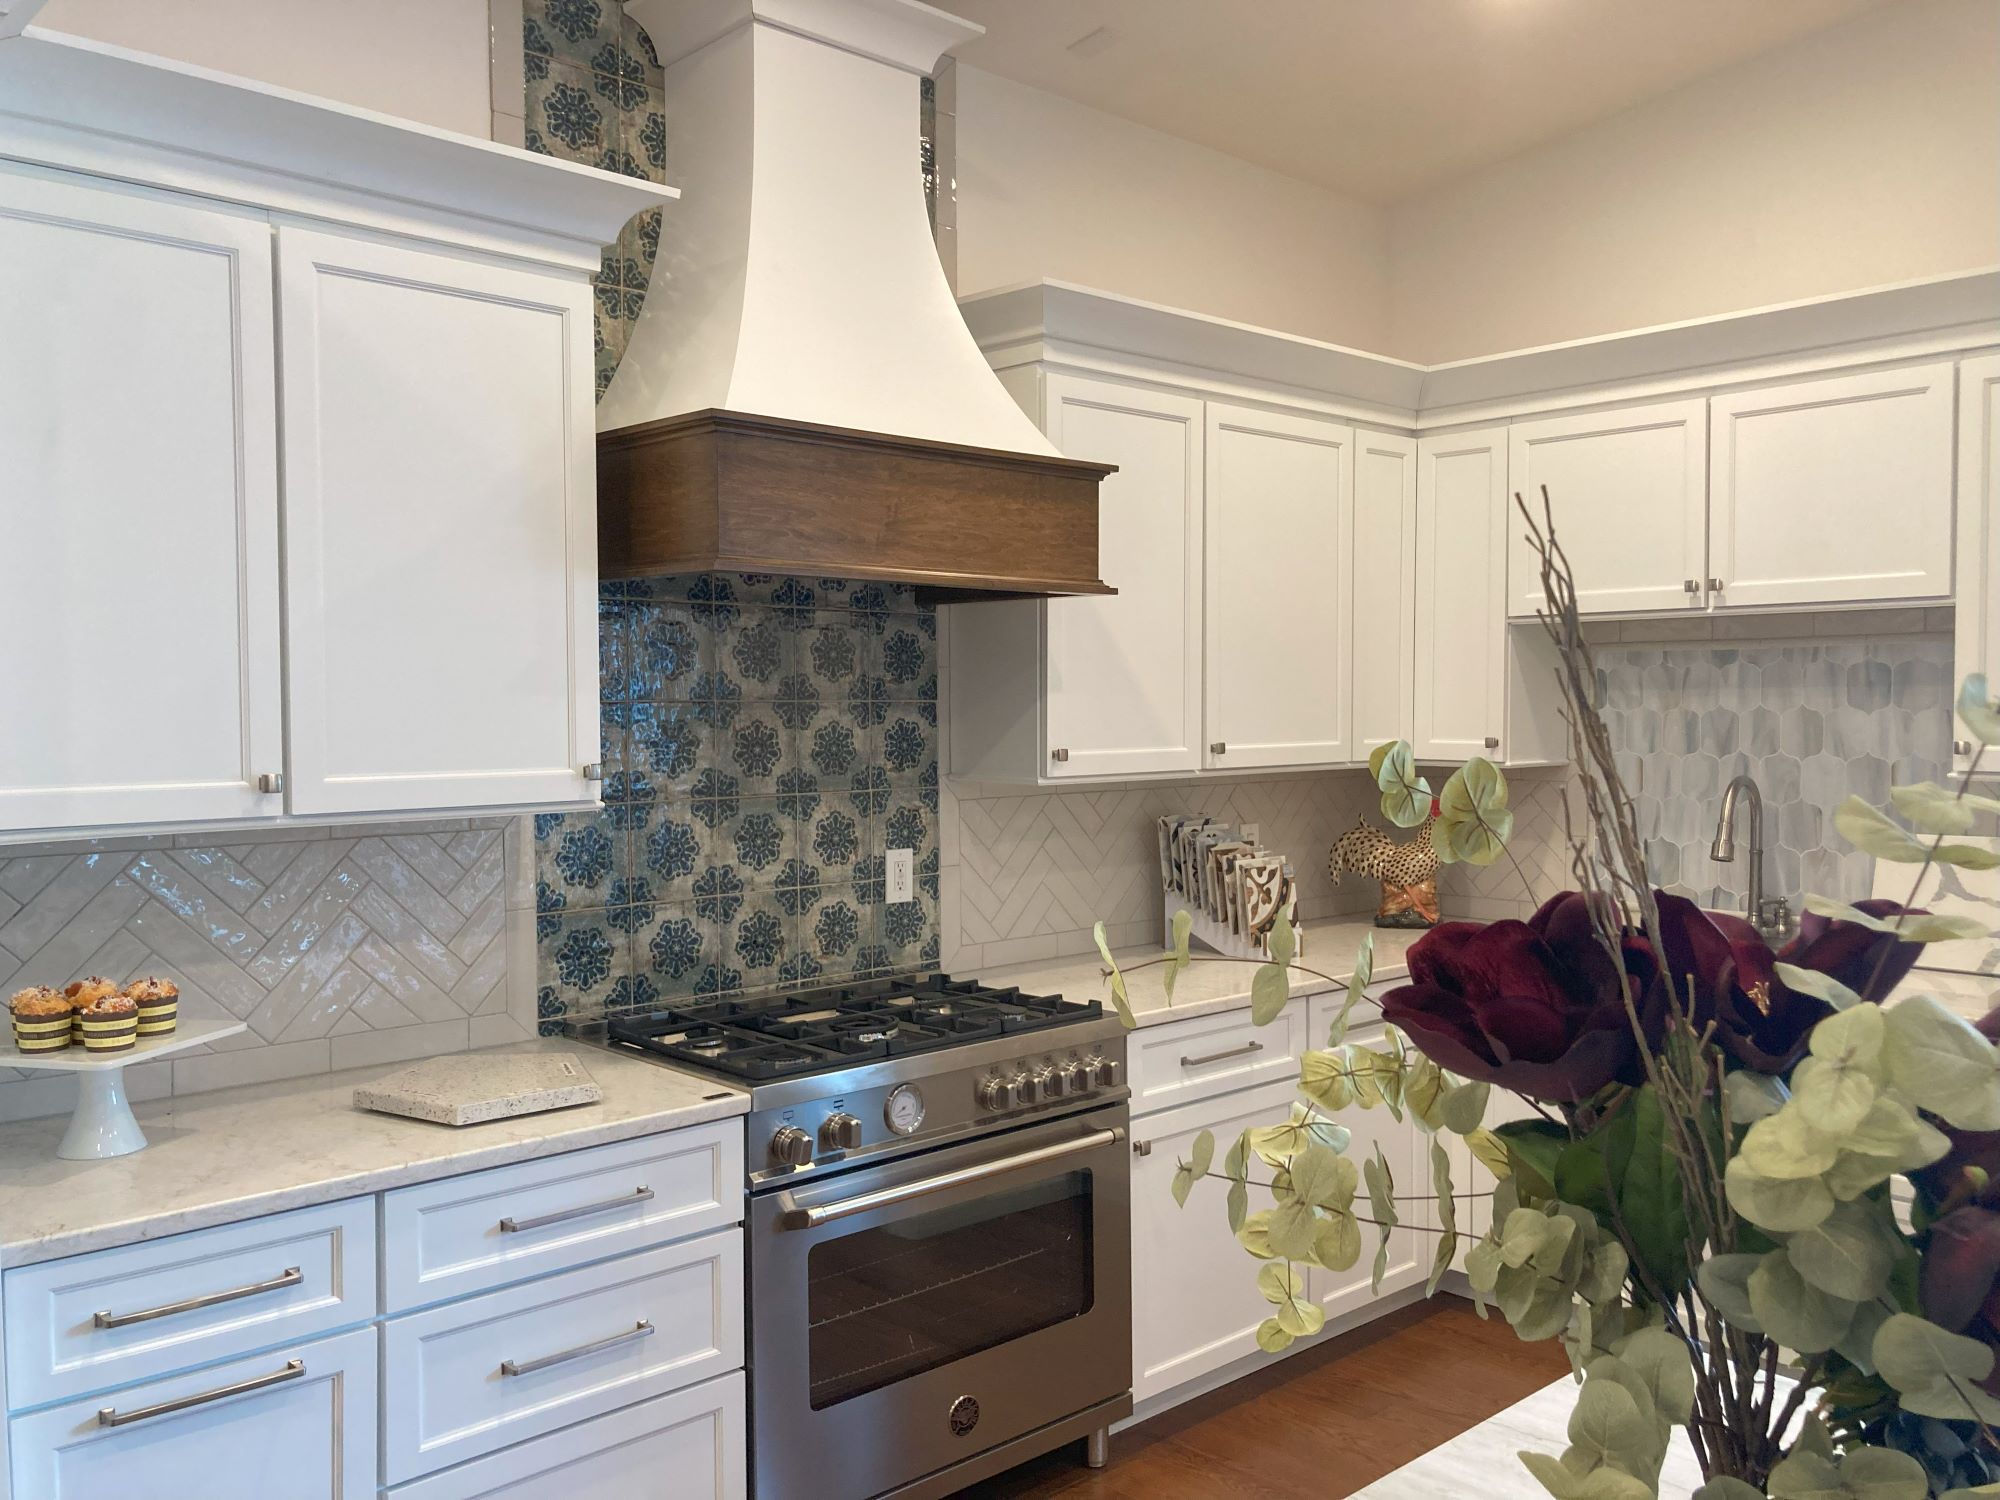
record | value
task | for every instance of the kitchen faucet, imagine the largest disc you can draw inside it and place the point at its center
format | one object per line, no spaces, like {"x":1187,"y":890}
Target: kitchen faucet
{"x":1771,"y":918}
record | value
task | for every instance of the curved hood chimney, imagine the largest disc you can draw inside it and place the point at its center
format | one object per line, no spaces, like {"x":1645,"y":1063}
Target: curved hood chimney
{"x":800,"y":392}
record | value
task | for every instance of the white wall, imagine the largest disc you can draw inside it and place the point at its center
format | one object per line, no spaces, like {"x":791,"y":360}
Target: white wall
{"x":1865,"y":154}
{"x":1052,"y":189}
{"x":425,"y":60}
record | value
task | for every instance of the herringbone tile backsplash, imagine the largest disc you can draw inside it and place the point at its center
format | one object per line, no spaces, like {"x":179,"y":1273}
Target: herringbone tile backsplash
{"x":339,"y":947}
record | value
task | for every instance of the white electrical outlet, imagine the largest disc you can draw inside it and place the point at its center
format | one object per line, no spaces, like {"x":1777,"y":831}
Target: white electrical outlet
{"x":900,"y":875}
{"x":1248,"y":833}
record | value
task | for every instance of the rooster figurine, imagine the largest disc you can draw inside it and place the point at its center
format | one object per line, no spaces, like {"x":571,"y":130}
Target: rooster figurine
{"x":1407,"y":871}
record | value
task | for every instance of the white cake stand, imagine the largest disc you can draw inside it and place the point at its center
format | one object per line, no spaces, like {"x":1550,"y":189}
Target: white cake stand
{"x":102,"y":1124}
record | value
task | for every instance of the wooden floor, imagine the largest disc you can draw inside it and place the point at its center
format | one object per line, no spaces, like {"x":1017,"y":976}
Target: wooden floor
{"x":1323,"y":1423}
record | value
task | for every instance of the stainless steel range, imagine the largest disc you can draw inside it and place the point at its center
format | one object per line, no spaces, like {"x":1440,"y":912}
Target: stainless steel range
{"x":939,"y":1228}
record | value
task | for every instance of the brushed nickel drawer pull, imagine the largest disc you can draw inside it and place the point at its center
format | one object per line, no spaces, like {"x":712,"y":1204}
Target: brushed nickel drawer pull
{"x":291,"y":1276}
{"x":1243,"y":1051}
{"x":518,"y":1226}
{"x":110,"y":1416}
{"x":642,"y":1329}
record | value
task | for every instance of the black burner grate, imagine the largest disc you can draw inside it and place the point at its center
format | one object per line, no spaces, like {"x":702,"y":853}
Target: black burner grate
{"x":784,"y":1036}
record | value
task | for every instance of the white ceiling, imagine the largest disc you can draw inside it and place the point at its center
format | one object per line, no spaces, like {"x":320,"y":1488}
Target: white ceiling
{"x":1375,"y":98}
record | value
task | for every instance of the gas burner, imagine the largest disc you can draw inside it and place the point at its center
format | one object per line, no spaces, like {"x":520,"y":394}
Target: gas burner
{"x":784,"y":1036}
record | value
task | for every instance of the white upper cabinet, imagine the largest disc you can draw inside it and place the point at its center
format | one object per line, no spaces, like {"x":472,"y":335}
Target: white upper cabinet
{"x":1460,"y":595}
{"x":1279,"y":523}
{"x":440,"y":529}
{"x":1977,"y":647}
{"x":1124,"y":670}
{"x":139,"y":508}
{"x":1383,"y":581}
{"x":1627,"y":490}
{"x":1835,"y":490}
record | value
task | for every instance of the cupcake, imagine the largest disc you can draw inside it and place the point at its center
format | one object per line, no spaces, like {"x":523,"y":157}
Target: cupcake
{"x":159,"y":1003}
{"x":82,"y":994}
{"x":41,"y":1019}
{"x":109,"y":1024}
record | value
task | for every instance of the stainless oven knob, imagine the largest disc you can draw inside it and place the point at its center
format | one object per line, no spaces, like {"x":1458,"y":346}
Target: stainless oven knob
{"x":1027,"y":1088}
{"x":840,"y":1133}
{"x":1052,"y":1083}
{"x":1077,"y":1078}
{"x":996,"y":1095}
{"x":1106,"y":1069}
{"x":791,"y":1147}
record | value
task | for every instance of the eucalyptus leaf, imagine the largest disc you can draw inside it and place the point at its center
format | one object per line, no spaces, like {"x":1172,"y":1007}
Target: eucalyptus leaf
{"x":1977,"y":711}
{"x":1857,"y":1345}
{"x":1870,"y":830}
{"x":1272,"y":1337}
{"x":1935,"y":1373}
{"x":1254,"y":1235}
{"x":1728,"y":1487}
{"x":1474,"y":821}
{"x":1178,"y":959}
{"x":1724,"y":1281}
{"x":1183,"y":1184}
{"x":1787,"y":1145}
{"x":1323,"y":1178}
{"x":1237,"y":1206}
{"x":1778,"y":1204}
{"x":1284,"y":940}
{"x":1599,"y":1484}
{"x":1863,"y":1474}
{"x":1323,"y":1079}
{"x":1832,"y":1096}
{"x":1891,"y":1128}
{"x":1793,"y":1311}
{"x":1406,"y":796}
{"x":1424,"y":1088}
{"x":1204,"y":1152}
{"x":1849,"y":1254}
{"x":1662,"y":1362}
{"x":1491,"y":1153}
{"x":1270,"y":992}
{"x":1357,"y":985}
{"x":1120,"y":1000}
{"x":1236,"y":1161}
{"x":1928,"y":808}
{"x":1941,"y":1059}
{"x":1927,"y":928}
{"x":1382,"y":1203}
{"x":1607,"y":1425}
{"x":1337,"y":1244}
{"x":1446,"y":1205}
{"x":1463,"y":1107}
{"x":1753,"y":1096}
{"x":1819,"y":986}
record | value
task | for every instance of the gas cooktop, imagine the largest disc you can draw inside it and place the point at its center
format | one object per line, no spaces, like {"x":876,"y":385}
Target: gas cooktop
{"x":817,"y":1031}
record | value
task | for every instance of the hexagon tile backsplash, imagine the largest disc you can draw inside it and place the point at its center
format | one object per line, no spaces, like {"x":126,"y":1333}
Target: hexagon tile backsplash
{"x":766,"y":741}
{"x":1811,"y":722}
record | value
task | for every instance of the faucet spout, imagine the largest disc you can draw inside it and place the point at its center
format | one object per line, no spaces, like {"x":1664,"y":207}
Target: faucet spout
{"x":1742,"y":789}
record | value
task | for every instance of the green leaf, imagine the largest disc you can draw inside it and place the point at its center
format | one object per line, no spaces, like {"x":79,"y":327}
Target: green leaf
{"x":1935,"y":1373}
{"x":1797,"y":1314}
{"x":1977,"y":711}
{"x":1337,"y":1245}
{"x":1599,"y":1484}
{"x":1447,"y":1215}
{"x":1322,"y":1178}
{"x":1298,"y":1315}
{"x":1532,"y":1149}
{"x":1406,"y":796}
{"x":1284,"y":940}
{"x":1119,"y":998}
{"x":1869,"y":829}
{"x":1752,"y":1096}
{"x":1183,"y":1184}
{"x":1892,"y":1129}
{"x":1650,"y":1195}
{"x":1254,"y":1235}
{"x":1272,"y":1338}
{"x":1728,"y":1488}
{"x":1834,"y":1088}
{"x":1474,"y":821}
{"x":1463,"y":1107}
{"x":1178,"y":960}
{"x":1819,"y":986}
{"x":1270,"y":992}
{"x":1357,"y":985}
{"x":1928,"y":808}
{"x":1942,"y":1060}
{"x":1424,"y":1088}
{"x":1491,"y":1153}
{"x":1323,"y":1079}
{"x":1204,"y":1152}
{"x":1910,"y":929}
{"x":1607,"y":1425}
{"x":1724,"y":1281}
{"x":1236,"y":1162}
{"x":1780,"y":1204}
{"x":1382,"y":1204}
{"x":1849,"y":1254}
{"x":1787,"y":1145}
{"x":1238,"y":1206}
{"x":1662,"y":1362}
{"x":1863,"y":1474}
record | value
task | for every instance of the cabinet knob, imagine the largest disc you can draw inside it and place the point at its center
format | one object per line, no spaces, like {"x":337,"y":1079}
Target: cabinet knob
{"x":1218,"y":748}
{"x":594,"y":771}
{"x":1492,"y":742}
{"x":1691,"y":585}
{"x":1059,"y":755}
{"x":1715,"y":585}
{"x":1142,"y":1148}
{"x":271,"y":783}
{"x":1961,"y":747}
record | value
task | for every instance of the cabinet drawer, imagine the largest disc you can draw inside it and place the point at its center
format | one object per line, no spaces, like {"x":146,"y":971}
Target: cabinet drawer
{"x":473,"y":1233}
{"x":687,"y":1446}
{"x":1213,"y":1054}
{"x":294,"y":1423}
{"x":477,"y":1375}
{"x":95,"y":1321}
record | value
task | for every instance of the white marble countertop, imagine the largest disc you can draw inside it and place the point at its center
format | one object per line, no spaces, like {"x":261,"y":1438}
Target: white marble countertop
{"x":218,"y":1157}
{"x":1330,"y":945}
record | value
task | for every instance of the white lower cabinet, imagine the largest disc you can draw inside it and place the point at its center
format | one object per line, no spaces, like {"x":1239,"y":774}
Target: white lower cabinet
{"x":1977,"y":622}
{"x":297,"y":1423}
{"x":686,"y":1446}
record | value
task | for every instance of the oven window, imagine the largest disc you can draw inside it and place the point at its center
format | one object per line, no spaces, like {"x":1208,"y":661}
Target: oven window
{"x":885,"y":1304}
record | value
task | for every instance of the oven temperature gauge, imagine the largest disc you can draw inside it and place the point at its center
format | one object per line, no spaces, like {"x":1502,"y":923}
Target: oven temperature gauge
{"x":904,"y":1111}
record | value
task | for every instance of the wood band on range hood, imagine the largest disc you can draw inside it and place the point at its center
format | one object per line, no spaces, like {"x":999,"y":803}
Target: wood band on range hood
{"x":737,"y":493}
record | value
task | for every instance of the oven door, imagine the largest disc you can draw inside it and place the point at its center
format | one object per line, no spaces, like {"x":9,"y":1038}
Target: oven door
{"x":911,"y":1315}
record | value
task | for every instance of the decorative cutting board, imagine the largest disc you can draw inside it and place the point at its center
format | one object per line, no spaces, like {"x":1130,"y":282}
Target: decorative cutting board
{"x":470,"y":1088}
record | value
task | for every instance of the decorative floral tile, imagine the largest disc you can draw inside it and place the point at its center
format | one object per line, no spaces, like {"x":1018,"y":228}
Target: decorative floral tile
{"x":907,"y":825}
{"x":673,"y":948}
{"x":669,"y":743}
{"x":836,"y":839}
{"x":759,"y":653}
{"x":580,"y":960}
{"x":758,"y":749}
{"x":669,"y":652}
{"x":834,"y":933}
{"x":757,"y":839}
{"x":908,"y":659}
{"x":566,"y":112}
{"x":909,"y":745}
{"x":579,"y":855}
{"x":671,"y":852}
{"x":758,"y":940}
{"x":909,"y":932}
{"x":574,"y":29}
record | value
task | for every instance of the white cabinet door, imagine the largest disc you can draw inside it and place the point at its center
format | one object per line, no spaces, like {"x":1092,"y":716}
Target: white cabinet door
{"x":297,"y":1423}
{"x":1343,"y":1293}
{"x":1628,"y":491}
{"x":1278,"y":519}
{"x":440,"y":529}
{"x":1978,"y":613}
{"x":1461,"y":588}
{"x":1384,"y":588}
{"x":1123,"y":672}
{"x":686,"y":1446}
{"x":1826,"y":491}
{"x":138,"y":503}
{"x":1195,"y":1303}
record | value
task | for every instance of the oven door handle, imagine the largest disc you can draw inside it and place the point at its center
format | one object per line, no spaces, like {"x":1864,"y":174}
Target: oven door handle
{"x":794,"y":1217}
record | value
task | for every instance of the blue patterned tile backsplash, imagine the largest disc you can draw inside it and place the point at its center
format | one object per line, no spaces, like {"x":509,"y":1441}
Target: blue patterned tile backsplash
{"x":767,"y":741}
{"x":1811,"y":722}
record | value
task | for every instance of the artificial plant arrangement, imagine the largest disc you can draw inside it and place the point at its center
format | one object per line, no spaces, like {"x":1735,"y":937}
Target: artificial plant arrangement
{"x":1698,"y":1203}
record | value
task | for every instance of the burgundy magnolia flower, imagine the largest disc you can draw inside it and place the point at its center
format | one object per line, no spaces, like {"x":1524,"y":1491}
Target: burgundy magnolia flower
{"x":1534,"y":1006}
